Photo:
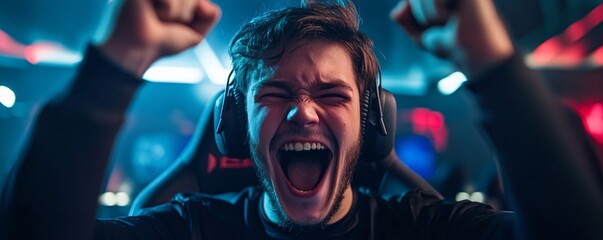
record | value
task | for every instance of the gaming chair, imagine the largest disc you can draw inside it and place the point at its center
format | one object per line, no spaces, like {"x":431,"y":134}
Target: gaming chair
{"x":203,"y":168}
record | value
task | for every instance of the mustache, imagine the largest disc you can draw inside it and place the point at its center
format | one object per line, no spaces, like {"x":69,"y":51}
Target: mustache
{"x":299,"y":132}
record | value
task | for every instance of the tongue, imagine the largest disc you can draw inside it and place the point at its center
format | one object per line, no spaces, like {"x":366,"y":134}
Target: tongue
{"x":304,"y":174}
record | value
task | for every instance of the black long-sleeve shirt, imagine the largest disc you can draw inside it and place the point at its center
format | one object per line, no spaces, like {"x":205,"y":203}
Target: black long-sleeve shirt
{"x":540,"y":157}
{"x":416,"y":215}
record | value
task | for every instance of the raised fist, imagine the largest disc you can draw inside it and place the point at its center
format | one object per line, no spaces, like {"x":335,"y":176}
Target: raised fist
{"x":467,"y":32}
{"x":149,"y":29}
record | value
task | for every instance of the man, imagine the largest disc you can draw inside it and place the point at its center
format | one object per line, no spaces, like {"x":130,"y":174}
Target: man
{"x":302,"y":73}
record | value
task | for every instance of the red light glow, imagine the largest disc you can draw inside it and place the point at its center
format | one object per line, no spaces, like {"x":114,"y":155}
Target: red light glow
{"x":37,"y":52}
{"x":431,"y":124}
{"x":579,"y":28}
{"x":594,"y":120}
{"x":575,"y":31}
{"x":9,"y":46}
{"x":30,"y":55}
{"x":572,"y":55}
{"x":34,"y":53}
{"x":115,"y":179}
{"x":565,"y":48}
{"x":598,"y":56}
{"x":546,"y":51}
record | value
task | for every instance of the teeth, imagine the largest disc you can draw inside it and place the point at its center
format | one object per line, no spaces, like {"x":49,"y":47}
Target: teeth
{"x":299,"y":146}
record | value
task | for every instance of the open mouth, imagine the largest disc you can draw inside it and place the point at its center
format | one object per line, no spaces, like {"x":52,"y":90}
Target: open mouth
{"x":304,"y":164}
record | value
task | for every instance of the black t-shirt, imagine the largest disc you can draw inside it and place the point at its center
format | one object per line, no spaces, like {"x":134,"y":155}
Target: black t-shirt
{"x":416,"y":215}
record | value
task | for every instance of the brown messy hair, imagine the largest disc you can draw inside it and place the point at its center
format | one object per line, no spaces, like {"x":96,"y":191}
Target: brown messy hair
{"x":262,"y":40}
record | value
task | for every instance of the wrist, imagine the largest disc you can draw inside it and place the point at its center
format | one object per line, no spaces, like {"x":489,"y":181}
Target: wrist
{"x":134,"y":60}
{"x":486,"y":42}
{"x":477,"y":63}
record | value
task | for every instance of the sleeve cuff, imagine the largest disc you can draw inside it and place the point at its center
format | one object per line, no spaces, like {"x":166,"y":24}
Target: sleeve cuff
{"x":101,"y":85}
{"x":506,"y":72}
{"x":511,"y":83}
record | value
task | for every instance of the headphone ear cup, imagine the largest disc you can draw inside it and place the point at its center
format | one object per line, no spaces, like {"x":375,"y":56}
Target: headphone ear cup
{"x":376,"y":146}
{"x":231,"y":139}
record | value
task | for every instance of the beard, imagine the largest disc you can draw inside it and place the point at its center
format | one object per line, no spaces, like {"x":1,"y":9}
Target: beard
{"x":283,"y":220}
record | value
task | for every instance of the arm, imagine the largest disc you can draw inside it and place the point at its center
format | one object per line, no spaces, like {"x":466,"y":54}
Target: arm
{"x":542,"y":163}
{"x":55,"y":190}
{"x":63,"y":164}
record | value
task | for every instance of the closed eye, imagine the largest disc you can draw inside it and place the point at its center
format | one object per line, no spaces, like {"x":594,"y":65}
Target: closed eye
{"x":334,"y":98}
{"x":334,"y":95}
{"x":271,"y":90}
{"x":274,"y":96}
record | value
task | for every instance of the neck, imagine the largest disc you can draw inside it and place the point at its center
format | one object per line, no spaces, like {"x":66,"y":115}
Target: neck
{"x":346,"y":205}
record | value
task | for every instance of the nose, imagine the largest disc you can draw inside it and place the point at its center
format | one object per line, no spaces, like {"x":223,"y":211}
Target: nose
{"x":303,"y":114}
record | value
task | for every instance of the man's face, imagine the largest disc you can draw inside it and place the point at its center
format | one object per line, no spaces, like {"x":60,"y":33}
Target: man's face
{"x":304,"y":132}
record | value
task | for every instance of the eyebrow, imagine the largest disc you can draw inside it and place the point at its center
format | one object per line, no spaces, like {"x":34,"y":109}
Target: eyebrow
{"x":271,"y":83}
{"x":335,"y":84}
{"x":318,"y":86}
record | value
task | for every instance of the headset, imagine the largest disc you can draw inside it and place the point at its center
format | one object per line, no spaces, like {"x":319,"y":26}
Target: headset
{"x":230,"y":122}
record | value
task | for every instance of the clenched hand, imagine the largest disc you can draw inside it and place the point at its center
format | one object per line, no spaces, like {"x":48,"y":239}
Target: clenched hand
{"x":147,"y":30}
